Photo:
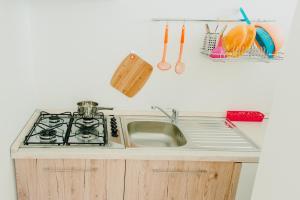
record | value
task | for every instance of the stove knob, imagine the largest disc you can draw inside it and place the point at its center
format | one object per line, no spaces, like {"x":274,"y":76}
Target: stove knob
{"x":113,"y":123}
{"x":114,"y":133}
{"x":113,"y":120}
{"x":114,"y":127}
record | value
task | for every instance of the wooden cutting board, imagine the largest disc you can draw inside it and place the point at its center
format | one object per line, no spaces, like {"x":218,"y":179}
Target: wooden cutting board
{"x":131,"y":75}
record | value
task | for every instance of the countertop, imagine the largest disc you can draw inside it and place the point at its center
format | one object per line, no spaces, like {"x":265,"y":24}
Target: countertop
{"x":254,"y":131}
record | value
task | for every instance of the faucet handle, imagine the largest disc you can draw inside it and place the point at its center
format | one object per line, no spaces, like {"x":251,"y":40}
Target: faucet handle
{"x":175,"y":112}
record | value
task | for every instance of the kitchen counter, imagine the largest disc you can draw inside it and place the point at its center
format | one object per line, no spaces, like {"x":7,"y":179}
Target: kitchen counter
{"x":254,"y":131}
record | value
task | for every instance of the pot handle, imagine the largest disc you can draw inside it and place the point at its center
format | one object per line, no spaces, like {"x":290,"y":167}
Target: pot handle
{"x":105,"y":108}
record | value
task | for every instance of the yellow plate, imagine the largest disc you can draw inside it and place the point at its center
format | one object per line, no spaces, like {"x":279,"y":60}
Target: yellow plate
{"x":251,"y":33}
{"x":233,"y":41}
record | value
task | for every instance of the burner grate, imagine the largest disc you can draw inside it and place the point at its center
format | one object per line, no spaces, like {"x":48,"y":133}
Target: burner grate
{"x":87,"y":131}
{"x":49,"y":129}
{"x":68,"y":129}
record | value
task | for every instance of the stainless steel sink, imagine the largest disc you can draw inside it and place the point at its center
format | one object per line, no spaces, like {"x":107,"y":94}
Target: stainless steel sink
{"x":194,"y":133}
{"x":154,"y":134}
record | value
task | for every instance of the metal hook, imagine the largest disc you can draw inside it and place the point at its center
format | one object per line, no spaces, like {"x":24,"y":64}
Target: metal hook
{"x":216,"y":28}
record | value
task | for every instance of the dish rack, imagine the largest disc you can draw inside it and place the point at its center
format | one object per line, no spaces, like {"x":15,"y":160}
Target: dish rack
{"x":253,"y":54}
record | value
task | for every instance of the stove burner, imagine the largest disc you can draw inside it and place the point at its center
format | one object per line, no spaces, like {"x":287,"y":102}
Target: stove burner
{"x":54,"y":119}
{"x":87,"y":134}
{"x":48,"y":135}
{"x":88,"y":120}
{"x":87,"y":123}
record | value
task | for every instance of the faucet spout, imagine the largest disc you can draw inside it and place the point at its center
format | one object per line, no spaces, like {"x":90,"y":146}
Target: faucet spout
{"x":172,"y":117}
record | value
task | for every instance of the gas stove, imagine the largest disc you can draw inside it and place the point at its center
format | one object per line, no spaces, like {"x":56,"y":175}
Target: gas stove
{"x":72,"y":129}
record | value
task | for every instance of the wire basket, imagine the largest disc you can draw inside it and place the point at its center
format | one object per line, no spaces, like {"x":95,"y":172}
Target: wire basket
{"x":253,"y":54}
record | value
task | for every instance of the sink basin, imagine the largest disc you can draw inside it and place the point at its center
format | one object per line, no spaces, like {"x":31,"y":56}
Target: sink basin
{"x":154,"y":134}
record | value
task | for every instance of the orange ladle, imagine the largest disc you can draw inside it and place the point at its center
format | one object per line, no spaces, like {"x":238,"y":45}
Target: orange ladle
{"x":180,"y":66}
{"x":163,"y":65}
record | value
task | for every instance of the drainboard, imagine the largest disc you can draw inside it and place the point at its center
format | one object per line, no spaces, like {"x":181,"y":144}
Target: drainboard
{"x":215,"y":134}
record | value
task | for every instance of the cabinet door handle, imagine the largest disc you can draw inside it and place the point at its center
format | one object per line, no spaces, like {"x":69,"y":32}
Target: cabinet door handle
{"x":177,"y":171}
{"x":54,"y":170}
{"x":212,"y":174}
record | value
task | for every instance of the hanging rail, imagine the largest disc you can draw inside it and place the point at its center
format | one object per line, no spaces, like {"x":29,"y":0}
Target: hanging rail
{"x":206,"y":20}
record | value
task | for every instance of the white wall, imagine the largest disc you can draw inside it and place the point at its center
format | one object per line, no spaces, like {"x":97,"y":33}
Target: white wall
{"x":278,"y":174}
{"x":16,"y":86}
{"x":56,"y":52}
{"x":246,"y":181}
{"x":77,"y":44}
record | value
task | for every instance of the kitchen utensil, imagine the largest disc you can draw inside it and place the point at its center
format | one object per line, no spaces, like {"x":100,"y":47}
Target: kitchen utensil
{"x":180,"y":66}
{"x":216,"y":28}
{"x":262,"y":37}
{"x":218,"y":51}
{"x":207,"y":28}
{"x":131,"y":75}
{"x":163,"y":65}
{"x":234,"y":39}
{"x":89,"y":109}
{"x":249,"y":116}
{"x":274,"y":33}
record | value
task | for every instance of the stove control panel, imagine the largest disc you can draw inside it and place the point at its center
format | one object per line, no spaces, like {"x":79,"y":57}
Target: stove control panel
{"x":114,"y":127}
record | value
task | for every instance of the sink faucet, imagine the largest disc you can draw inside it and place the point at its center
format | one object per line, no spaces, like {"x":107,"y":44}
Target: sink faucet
{"x":172,"y":117}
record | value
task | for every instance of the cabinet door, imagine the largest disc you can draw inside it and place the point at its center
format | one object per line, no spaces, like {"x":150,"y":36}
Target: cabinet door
{"x":180,"y":180}
{"x":70,"y":179}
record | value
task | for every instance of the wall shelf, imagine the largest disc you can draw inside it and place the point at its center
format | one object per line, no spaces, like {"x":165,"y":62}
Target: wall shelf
{"x":207,"y":20}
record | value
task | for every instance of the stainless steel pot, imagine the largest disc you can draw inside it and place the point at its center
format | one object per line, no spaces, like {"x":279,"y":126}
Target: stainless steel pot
{"x":89,"y":109}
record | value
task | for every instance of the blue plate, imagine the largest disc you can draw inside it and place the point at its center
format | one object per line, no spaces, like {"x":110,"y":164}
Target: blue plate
{"x":265,"y":41}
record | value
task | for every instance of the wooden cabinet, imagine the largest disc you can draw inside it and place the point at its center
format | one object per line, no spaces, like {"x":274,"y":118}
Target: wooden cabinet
{"x":144,"y":180}
{"x":181,"y":180}
{"x":70,"y":179}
